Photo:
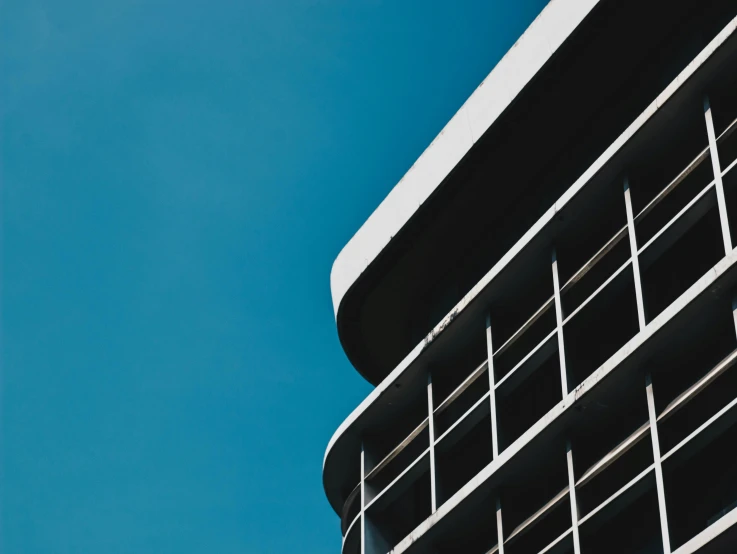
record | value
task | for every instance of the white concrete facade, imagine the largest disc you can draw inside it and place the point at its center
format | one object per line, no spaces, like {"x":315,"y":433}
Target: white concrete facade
{"x":480,"y":111}
{"x":423,"y":464}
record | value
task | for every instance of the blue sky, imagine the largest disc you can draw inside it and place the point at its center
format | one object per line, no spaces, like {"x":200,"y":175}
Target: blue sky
{"x":177,"y":178}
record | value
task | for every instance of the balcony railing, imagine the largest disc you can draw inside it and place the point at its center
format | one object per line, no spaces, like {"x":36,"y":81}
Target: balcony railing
{"x":611,"y":290}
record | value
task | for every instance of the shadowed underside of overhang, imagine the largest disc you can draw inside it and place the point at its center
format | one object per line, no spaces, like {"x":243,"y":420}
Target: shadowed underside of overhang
{"x":510,"y":151}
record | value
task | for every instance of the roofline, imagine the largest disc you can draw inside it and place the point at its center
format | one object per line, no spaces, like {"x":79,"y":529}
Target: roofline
{"x":658,"y":106}
{"x":515,"y":70}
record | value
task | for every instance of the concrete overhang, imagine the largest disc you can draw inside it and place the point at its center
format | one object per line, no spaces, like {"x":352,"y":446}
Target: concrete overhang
{"x":506,"y":156}
{"x":515,"y":70}
{"x":495,"y":94}
{"x":387,"y":400}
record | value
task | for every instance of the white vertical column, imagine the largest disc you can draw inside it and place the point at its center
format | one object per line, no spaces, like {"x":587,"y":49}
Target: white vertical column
{"x":363,"y":498}
{"x":658,"y":464}
{"x":431,"y":429}
{"x":499,"y":526}
{"x":494,"y":430}
{"x":492,"y":389}
{"x":559,"y":323}
{"x":633,"y":254}
{"x":572,"y":496}
{"x":719,"y":186}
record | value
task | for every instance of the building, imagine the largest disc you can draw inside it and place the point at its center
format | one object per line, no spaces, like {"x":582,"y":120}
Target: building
{"x":545,"y":303}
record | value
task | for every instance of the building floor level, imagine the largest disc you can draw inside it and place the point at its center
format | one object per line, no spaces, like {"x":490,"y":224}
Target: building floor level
{"x":560,"y":377}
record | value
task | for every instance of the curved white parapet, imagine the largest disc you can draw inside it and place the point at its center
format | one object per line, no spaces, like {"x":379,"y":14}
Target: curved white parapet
{"x":350,"y":429}
{"x":528,"y":55}
{"x":351,"y":541}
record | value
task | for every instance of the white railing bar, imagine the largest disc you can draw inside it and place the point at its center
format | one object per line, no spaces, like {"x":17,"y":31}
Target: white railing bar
{"x":704,"y":426}
{"x":396,"y":450}
{"x":556,"y":542}
{"x":458,"y":421}
{"x":538,"y":515}
{"x":673,"y":184}
{"x":711,"y":533}
{"x":728,"y":131}
{"x":526,"y":325}
{"x":348,"y":501}
{"x":729,"y":168}
{"x":350,"y":527}
{"x":597,"y":291}
{"x":618,"y":451}
{"x":589,"y":265}
{"x":676,"y":217}
{"x":398,"y":478}
{"x":527,"y":357}
{"x":686,"y":396}
{"x":616,"y":495}
{"x":460,"y":389}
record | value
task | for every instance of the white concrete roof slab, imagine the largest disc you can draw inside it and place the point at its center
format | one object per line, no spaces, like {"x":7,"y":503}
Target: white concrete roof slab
{"x":515,"y":70}
{"x":472,"y":296}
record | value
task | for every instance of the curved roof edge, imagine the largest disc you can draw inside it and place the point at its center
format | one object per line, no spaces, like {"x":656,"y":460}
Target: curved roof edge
{"x":518,"y":66}
{"x":474,"y":297}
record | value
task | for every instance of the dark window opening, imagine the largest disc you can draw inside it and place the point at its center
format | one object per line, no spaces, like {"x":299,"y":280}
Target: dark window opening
{"x":679,"y":197}
{"x":410,"y":506}
{"x":523,"y":498}
{"x":470,"y":397}
{"x":632,"y":526}
{"x":532,"y":399}
{"x":616,"y":427}
{"x":552,"y":525}
{"x":470,"y":530}
{"x":397,"y":465}
{"x":458,"y":461}
{"x":603,"y":326}
{"x":596,"y":276}
{"x":685,"y":254}
{"x":701,"y":486}
{"x":384,"y":439}
{"x":449,"y":372}
{"x":619,"y":474}
{"x":505,"y":361}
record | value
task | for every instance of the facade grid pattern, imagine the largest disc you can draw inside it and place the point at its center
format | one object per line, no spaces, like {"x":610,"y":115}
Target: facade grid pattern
{"x":478,"y":415}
